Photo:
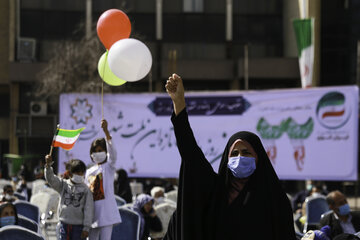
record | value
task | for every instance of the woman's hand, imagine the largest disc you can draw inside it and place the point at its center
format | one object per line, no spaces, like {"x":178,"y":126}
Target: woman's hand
{"x":175,"y":88}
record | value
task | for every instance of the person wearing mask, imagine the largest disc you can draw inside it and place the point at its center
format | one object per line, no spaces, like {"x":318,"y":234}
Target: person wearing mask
{"x":159,"y":196}
{"x":100,"y":179}
{"x":149,"y":221}
{"x":8,"y":214}
{"x":244,"y":199}
{"x":312,"y":189}
{"x":341,"y":219}
{"x":300,"y":217}
{"x":76,"y":206}
{"x":8,"y":194}
{"x":22,"y":189}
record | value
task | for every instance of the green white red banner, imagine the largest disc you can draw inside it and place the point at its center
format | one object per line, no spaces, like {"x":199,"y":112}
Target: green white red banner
{"x":304,"y":32}
{"x":66,"y":138}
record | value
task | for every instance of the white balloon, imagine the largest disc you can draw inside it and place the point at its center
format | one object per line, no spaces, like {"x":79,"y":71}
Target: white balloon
{"x":130,"y":59}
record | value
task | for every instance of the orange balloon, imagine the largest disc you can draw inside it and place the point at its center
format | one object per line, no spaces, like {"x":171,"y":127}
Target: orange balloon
{"x":112,"y":26}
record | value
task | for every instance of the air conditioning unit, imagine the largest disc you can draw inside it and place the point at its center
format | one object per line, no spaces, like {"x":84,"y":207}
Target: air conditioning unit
{"x":38,"y":108}
{"x":26,"y":48}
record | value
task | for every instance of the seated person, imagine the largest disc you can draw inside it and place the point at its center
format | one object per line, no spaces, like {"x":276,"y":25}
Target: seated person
{"x":22,"y":189}
{"x":8,"y":194}
{"x":312,"y":189}
{"x":300,"y":215}
{"x":342,"y":219}
{"x":300,"y":197}
{"x":149,"y":221}
{"x":123,"y":189}
{"x":159,"y":196}
{"x":8,"y":214}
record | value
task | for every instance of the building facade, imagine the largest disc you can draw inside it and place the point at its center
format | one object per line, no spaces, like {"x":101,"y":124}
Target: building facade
{"x":213,"y":45}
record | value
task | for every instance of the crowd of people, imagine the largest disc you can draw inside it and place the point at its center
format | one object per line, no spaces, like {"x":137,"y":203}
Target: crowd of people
{"x":87,"y":208}
{"x":244,"y":199}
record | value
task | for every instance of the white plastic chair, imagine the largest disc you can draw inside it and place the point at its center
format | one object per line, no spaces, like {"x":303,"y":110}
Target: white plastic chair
{"x":172,"y":195}
{"x":164,"y":211}
{"x":48,"y":202}
{"x":37,"y":186}
{"x":136,"y":188}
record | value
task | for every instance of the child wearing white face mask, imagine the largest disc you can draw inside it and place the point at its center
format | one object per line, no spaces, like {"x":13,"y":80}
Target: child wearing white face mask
{"x":76,"y":207}
{"x":100,"y":179}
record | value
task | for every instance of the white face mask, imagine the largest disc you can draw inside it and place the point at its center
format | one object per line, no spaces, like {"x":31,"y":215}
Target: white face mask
{"x":8,"y":197}
{"x":98,"y":157}
{"x":77,"y":178}
{"x":159,"y":200}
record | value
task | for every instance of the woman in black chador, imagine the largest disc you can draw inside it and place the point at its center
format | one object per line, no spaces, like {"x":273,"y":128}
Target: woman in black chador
{"x":244,"y":200}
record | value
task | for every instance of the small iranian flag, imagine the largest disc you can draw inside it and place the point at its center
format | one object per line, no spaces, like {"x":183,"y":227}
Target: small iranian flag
{"x":66,"y":138}
{"x":304,"y":31}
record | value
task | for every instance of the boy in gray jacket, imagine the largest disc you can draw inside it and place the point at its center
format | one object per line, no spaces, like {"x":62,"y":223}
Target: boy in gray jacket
{"x":76,"y":207}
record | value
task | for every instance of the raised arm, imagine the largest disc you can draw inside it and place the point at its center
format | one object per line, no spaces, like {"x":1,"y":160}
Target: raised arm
{"x":104,"y":126}
{"x":187,"y":145}
{"x":175,"y":88}
{"x":109,"y":145}
{"x":54,"y":181}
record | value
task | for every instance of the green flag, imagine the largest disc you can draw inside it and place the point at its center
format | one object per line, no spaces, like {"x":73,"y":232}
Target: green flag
{"x":304,"y":31}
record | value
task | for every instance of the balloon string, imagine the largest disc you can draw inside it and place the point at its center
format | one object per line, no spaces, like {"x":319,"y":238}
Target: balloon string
{"x":102,"y":100}
{"x":102,"y":86}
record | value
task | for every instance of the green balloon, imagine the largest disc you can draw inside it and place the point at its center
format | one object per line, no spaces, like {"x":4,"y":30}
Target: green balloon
{"x":106,"y":74}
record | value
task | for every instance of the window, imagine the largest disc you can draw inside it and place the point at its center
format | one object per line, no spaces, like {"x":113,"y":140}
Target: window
{"x":193,"y":6}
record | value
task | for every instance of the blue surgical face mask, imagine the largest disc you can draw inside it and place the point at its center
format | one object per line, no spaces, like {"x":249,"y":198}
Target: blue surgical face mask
{"x":344,"y":209}
{"x":242,"y":167}
{"x":5,"y":221}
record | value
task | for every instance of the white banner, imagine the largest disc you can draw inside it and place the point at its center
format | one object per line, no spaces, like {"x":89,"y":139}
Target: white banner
{"x":308,"y":134}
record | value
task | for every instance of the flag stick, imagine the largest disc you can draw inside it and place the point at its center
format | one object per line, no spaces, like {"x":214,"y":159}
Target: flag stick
{"x":52,"y":143}
{"x":51,"y":149}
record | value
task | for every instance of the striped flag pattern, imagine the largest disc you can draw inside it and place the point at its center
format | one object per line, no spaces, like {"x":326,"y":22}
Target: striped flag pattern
{"x":66,"y":138}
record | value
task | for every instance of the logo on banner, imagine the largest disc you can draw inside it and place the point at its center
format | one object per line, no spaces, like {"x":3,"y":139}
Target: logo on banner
{"x":332,"y":111}
{"x":81,"y":111}
{"x":297,"y":133}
